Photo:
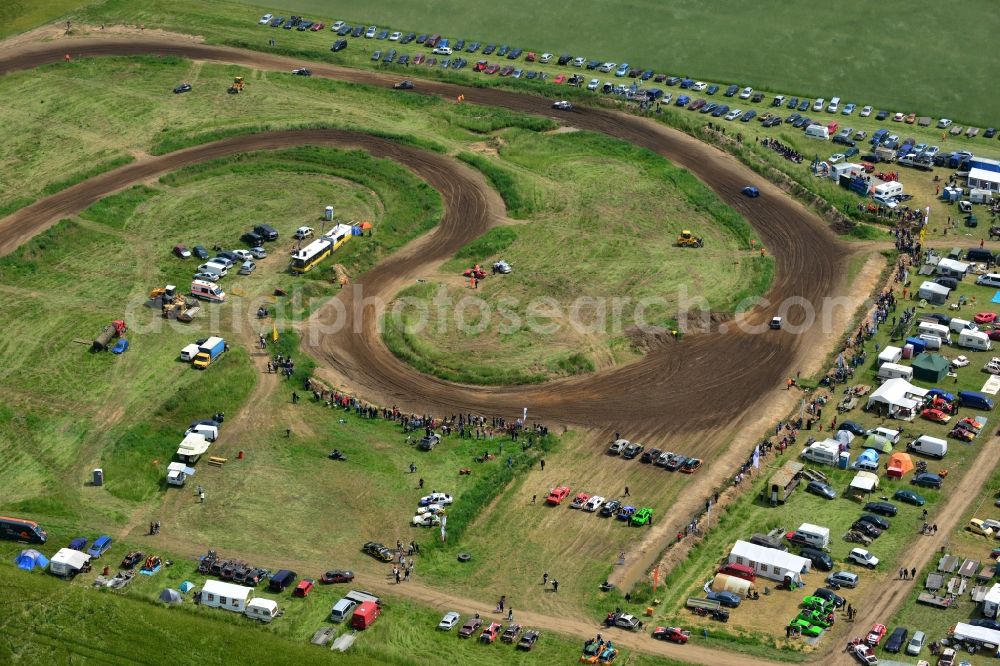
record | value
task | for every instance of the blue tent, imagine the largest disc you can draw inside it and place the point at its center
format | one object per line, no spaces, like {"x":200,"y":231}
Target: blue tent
{"x":356,"y":230}
{"x":869,"y":455}
{"x":186,"y":586}
{"x":31,"y":558}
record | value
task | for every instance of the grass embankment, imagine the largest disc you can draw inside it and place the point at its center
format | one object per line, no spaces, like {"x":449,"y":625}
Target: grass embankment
{"x":599,"y":236}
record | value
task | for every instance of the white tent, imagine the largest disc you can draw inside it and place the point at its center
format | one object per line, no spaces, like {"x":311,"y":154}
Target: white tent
{"x":952,"y":268}
{"x":890,"y":355}
{"x":864,"y":482}
{"x":217,"y":594}
{"x":899,"y":397}
{"x":68,"y":562}
{"x":983,"y":179}
{"x":968,"y":632}
{"x":769,"y":562}
{"x":933,"y":292}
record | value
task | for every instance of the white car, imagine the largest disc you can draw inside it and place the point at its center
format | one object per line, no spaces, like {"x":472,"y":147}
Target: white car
{"x":243,"y":254}
{"x":266,"y":18}
{"x":594,"y":503}
{"x":394,"y":37}
{"x":303,"y":232}
{"x":594,"y":84}
{"x":426,"y":520}
{"x":579,"y":62}
{"x":562,"y":105}
{"x":867,"y":111}
{"x":931,"y":151}
{"x":617,"y":446}
{"x":442,"y":50}
{"x":734,"y":114}
{"x":608,"y":67}
{"x":836,"y":158}
{"x":337,"y":25}
{"x":699,"y":86}
{"x":436,"y":498}
{"x":449,"y":621}
{"x":546,"y":57}
{"x":430,"y":508}
{"x":898,"y":117}
{"x":944,"y":123}
{"x":370,"y":33}
{"x":258,"y":252}
{"x":747,"y":92}
{"x":863,"y":557}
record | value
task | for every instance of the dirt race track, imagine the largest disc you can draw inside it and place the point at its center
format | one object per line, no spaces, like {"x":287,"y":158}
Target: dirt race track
{"x":702,"y":387}
{"x":681,"y":388}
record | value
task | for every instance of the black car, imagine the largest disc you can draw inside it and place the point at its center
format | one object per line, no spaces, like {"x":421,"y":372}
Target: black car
{"x":882,"y":508}
{"x":731,"y":90}
{"x":339,"y":45}
{"x":200,"y":252}
{"x":792,"y":118}
{"x":990,"y":132}
{"x":472,"y":48}
{"x":564,"y":58}
{"x":503,"y":50}
{"x":407,"y":38}
{"x":403,"y":85}
{"x":278,"y":22}
{"x":182,"y":88}
{"x":281,"y":580}
{"x":727,"y":599}
{"x":378,"y":551}
{"x":358,"y":31}
{"x":987,"y":623}
{"x":305,"y":25}
{"x":267,"y":231}
{"x":345,"y":30}
{"x":712,"y":89}
{"x":877,"y":521}
{"x":748,"y":116}
{"x":649,"y":456}
{"x":804,"y":105}
{"x":489,"y":48}
{"x":792,"y":103}
{"x":708,"y":108}
{"x":421,"y":39}
{"x":593,"y":64}
{"x":720,"y":111}
{"x":383,"y":34}
{"x":528,"y":640}
{"x":896,"y":640}
{"x":853,"y":428}
{"x":632,"y":450}
{"x":390,"y":56}
{"x":611,"y":508}
{"x":458,"y":46}
{"x":771,"y":122}
{"x":881,"y":115}
{"x":926,"y":480}
{"x":302,"y":71}
{"x":252,"y":239}
{"x":515,"y":54}
{"x":404,"y":59}
{"x":866,"y":528}
{"x":819,"y":559}
{"x":673,"y":80}
{"x":830,"y":595}
{"x":336,"y":576}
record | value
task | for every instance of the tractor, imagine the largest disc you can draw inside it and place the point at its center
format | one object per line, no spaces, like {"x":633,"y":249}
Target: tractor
{"x":237,"y":86}
{"x":687,"y":239}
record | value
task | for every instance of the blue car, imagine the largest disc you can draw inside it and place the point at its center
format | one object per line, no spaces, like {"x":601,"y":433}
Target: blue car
{"x":938,"y":393}
{"x":120,"y":347}
{"x":100,"y":546}
{"x":622,"y":69}
{"x":626,"y":513}
{"x":712,"y":89}
{"x":751,"y":191}
{"x":727,"y":599}
{"x":682,"y":100}
{"x":749,"y":115}
{"x":720,"y":111}
{"x":79,"y":543}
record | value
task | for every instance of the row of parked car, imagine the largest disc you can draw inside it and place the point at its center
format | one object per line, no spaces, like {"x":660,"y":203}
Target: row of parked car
{"x":444,"y":46}
{"x":666,"y":459}
{"x":513,"y":633}
{"x":608,"y":508}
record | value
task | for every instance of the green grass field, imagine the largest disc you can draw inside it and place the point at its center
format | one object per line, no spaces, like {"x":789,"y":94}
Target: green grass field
{"x":816,"y":51}
{"x":600,"y":238}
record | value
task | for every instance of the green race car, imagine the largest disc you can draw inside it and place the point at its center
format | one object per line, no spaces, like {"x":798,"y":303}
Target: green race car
{"x":819,"y":618}
{"x":804,"y":628}
{"x":643,"y":516}
{"x":814,"y":603}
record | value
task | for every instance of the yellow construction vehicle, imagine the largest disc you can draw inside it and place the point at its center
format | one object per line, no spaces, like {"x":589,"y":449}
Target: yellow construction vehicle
{"x":237,"y":86}
{"x":687,"y":239}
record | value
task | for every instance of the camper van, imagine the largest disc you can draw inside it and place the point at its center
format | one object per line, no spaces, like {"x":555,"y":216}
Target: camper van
{"x":959,"y":325}
{"x":264,"y":610}
{"x":827,"y":453}
{"x":974,"y":340}
{"x":818,"y":132}
{"x":814,"y":535}
{"x":931,"y":447}
{"x":931,"y":342}
{"x":894,"y":370}
{"x":889,"y":190}
{"x":208,"y":291}
{"x":189,"y":352}
{"x":940,"y":330}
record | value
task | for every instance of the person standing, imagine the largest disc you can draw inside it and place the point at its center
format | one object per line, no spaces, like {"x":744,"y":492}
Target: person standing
{"x":545,"y":578}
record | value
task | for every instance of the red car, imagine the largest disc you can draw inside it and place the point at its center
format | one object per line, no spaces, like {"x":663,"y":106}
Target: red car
{"x":304,"y":587}
{"x":970,"y":423}
{"x":935,"y":415}
{"x":530,"y":57}
{"x":985,"y":317}
{"x":336,"y":576}
{"x":557,"y":495}
{"x":672,"y":634}
{"x":480,"y":66}
{"x":876,"y":634}
{"x":492,"y":69}
{"x":559,"y":79}
{"x":316,"y":27}
{"x":506,"y":71}
{"x":490,"y":633}
{"x":418,"y":59}
{"x":579,"y":500}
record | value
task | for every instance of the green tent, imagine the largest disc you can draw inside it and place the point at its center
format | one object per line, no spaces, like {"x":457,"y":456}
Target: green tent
{"x":930,"y":367}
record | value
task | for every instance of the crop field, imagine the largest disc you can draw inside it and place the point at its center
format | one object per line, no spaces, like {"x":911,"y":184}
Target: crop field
{"x":793,"y":49}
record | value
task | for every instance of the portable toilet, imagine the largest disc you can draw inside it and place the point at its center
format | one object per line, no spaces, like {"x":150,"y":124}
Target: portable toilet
{"x":98,"y":477}
{"x":844,"y":460}
{"x":908,"y":351}
{"x":328,"y":214}
{"x":919,"y":346}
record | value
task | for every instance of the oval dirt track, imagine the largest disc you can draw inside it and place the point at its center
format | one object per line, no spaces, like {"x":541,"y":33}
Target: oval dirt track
{"x":693,"y":386}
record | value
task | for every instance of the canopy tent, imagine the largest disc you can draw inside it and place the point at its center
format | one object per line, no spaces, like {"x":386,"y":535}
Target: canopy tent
{"x":897,"y":398}
{"x":930,"y":367}
{"x":864,"y":482}
{"x":982,"y":179}
{"x":366,"y":225}
{"x":878,"y":443}
{"x":31,"y":558}
{"x":899,"y":464}
{"x":171,"y":596}
{"x":186,"y":586}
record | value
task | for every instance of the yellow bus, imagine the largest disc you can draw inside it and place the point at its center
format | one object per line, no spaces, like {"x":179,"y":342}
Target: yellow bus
{"x":305,"y":259}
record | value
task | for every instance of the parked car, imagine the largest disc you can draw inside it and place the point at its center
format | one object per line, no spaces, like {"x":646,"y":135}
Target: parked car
{"x":916,"y":643}
{"x":843,"y":579}
{"x":727,"y":599}
{"x":100,"y":546}
{"x":470,"y":627}
{"x":819,"y":559}
{"x":336,"y":576}
{"x":863,"y":557}
{"x":927,"y":480}
{"x":877,"y":521}
{"x":611,"y":508}
{"x":182,"y":88}
{"x":821,"y":489}
{"x":557,"y":495}
{"x":304,"y":587}
{"x":449,"y":621}
{"x":594,"y":503}
{"x":875,"y":634}
{"x":182,"y":252}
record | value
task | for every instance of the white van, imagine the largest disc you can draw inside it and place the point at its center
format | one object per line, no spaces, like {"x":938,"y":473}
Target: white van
{"x":189,"y":352}
{"x":989,"y":280}
{"x":928,"y":446}
{"x":209,"y":432}
{"x":975,"y":340}
{"x":940,"y":330}
{"x":820,"y":132}
{"x":814,"y":534}
{"x":818,"y":104}
{"x":208,"y":291}
{"x":881,"y":200}
{"x":886,"y":433}
{"x":932,"y":342}
{"x":214,"y":267}
{"x":342,"y":610}
{"x":959,"y":325}
{"x":894,"y":370}
{"x":822,"y":452}
{"x":834,"y":105}
{"x":264,"y":610}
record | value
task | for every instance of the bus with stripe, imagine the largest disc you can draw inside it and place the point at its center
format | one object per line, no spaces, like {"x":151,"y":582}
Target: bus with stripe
{"x":305,"y":260}
{"x":18,"y":529}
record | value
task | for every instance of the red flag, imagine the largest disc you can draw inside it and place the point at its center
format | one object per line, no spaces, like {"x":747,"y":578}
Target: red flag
{"x":656,"y":578}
